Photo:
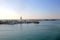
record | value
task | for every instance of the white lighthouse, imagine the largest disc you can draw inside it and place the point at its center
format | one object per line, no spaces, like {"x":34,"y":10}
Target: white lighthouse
{"x":21,"y":18}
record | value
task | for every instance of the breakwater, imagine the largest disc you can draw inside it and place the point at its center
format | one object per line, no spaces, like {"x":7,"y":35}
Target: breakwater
{"x":18,"y":21}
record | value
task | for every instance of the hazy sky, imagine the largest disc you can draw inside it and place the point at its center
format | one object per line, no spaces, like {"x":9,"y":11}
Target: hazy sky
{"x":37,"y":9}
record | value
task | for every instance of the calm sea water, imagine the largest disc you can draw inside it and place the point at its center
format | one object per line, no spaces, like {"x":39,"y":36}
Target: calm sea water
{"x":46,"y":30}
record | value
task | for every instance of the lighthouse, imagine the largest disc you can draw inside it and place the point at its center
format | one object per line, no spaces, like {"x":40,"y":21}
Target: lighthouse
{"x":21,"y":18}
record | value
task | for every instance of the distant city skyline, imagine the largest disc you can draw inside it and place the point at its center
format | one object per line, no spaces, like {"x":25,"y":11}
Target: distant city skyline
{"x":30,"y":9}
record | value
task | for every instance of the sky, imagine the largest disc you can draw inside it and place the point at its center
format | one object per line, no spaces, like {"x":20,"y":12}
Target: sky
{"x":30,"y":9}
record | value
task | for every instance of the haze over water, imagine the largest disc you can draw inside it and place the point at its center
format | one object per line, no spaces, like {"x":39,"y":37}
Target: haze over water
{"x":46,"y":30}
{"x":30,"y":9}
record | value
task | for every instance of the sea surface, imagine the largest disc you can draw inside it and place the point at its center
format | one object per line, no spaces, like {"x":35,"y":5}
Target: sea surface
{"x":46,"y":30}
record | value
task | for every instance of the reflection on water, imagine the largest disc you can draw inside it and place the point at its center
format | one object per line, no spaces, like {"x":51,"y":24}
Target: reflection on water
{"x":46,"y":30}
{"x":21,"y":27}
